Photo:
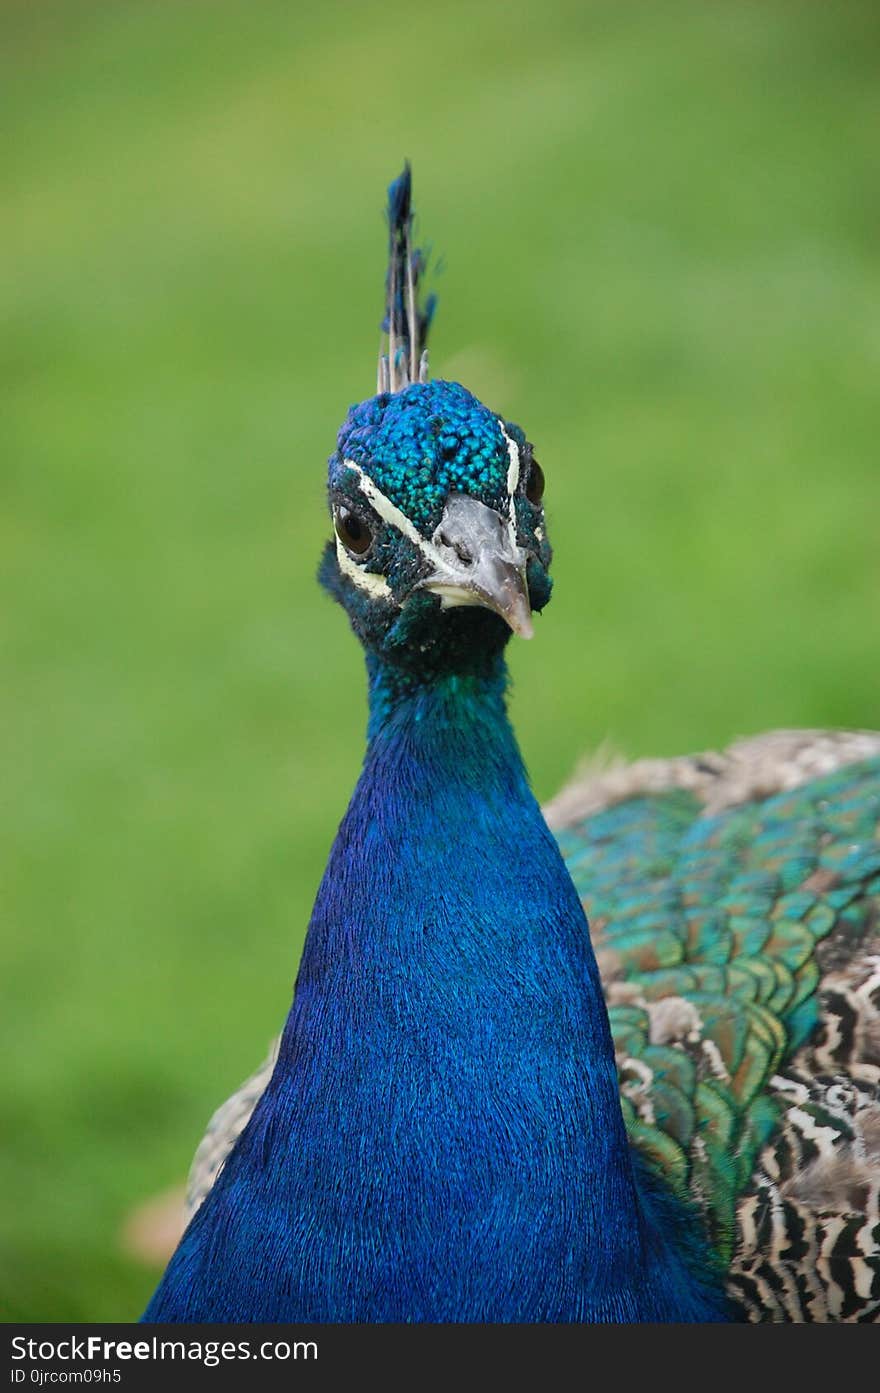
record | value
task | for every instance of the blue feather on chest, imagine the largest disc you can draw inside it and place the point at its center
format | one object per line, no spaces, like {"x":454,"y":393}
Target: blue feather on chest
{"x":441,"y":1138}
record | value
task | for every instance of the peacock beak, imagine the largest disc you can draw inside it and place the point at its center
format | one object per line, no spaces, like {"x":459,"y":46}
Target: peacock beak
{"x":477,"y":562}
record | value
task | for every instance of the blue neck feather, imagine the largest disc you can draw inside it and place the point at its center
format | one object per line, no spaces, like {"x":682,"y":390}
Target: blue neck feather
{"x":442,"y":1138}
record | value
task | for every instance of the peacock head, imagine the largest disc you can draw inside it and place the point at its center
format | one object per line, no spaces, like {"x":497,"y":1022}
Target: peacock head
{"x":440,"y":550}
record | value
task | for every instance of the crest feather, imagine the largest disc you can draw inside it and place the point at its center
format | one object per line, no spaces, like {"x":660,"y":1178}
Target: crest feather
{"x":403,"y":357}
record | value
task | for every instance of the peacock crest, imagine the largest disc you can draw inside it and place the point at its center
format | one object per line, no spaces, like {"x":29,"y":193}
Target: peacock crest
{"x":403,"y":356}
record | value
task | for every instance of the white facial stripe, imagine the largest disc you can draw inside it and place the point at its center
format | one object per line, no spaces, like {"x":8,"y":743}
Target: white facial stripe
{"x":512,"y":483}
{"x":387,"y":510}
{"x":452,"y":595}
{"x":514,"y":468}
{"x":390,"y":513}
{"x":374,"y":585}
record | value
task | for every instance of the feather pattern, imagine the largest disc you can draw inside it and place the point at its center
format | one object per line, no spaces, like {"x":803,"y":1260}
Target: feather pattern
{"x":477,"y":1112}
{"x":739,"y":953}
{"x":440,"y":1136}
{"x":403,"y":358}
{"x":722,"y":938}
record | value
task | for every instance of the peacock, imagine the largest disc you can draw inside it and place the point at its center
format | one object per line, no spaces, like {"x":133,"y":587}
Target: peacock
{"x":480,"y":1109}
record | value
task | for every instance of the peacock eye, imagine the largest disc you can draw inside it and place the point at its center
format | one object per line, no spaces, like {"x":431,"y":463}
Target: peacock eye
{"x":354,"y":534}
{"x":535,"y":486}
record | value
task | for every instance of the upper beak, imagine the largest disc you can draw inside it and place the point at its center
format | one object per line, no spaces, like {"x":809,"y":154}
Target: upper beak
{"x":477,"y":562}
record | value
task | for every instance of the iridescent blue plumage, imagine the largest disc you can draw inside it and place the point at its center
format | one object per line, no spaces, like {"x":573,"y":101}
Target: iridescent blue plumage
{"x":456,"y":1128}
{"x":425,"y":442}
{"x":442,"y":1137}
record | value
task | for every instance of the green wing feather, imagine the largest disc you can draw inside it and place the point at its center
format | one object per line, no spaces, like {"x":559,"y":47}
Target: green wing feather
{"x":713,"y":934}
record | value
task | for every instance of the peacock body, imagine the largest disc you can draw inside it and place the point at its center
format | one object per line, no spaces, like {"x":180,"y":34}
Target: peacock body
{"x":736,"y":918}
{"x":474,"y":1112}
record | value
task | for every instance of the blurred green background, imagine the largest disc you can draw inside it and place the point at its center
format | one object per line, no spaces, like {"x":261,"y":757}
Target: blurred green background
{"x":659,"y":224}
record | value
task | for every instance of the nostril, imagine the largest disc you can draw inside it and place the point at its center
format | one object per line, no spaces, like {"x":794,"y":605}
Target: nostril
{"x":463,"y":553}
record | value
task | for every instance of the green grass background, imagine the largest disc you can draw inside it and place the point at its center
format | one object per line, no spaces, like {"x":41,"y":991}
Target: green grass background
{"x":659,"y":224}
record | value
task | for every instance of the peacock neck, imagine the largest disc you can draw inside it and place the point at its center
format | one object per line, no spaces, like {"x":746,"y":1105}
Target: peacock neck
{"x":442,"y":1137}
{"x":470,"y":699}
{"x":446,"y":893}
{"x":447,"y":929}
